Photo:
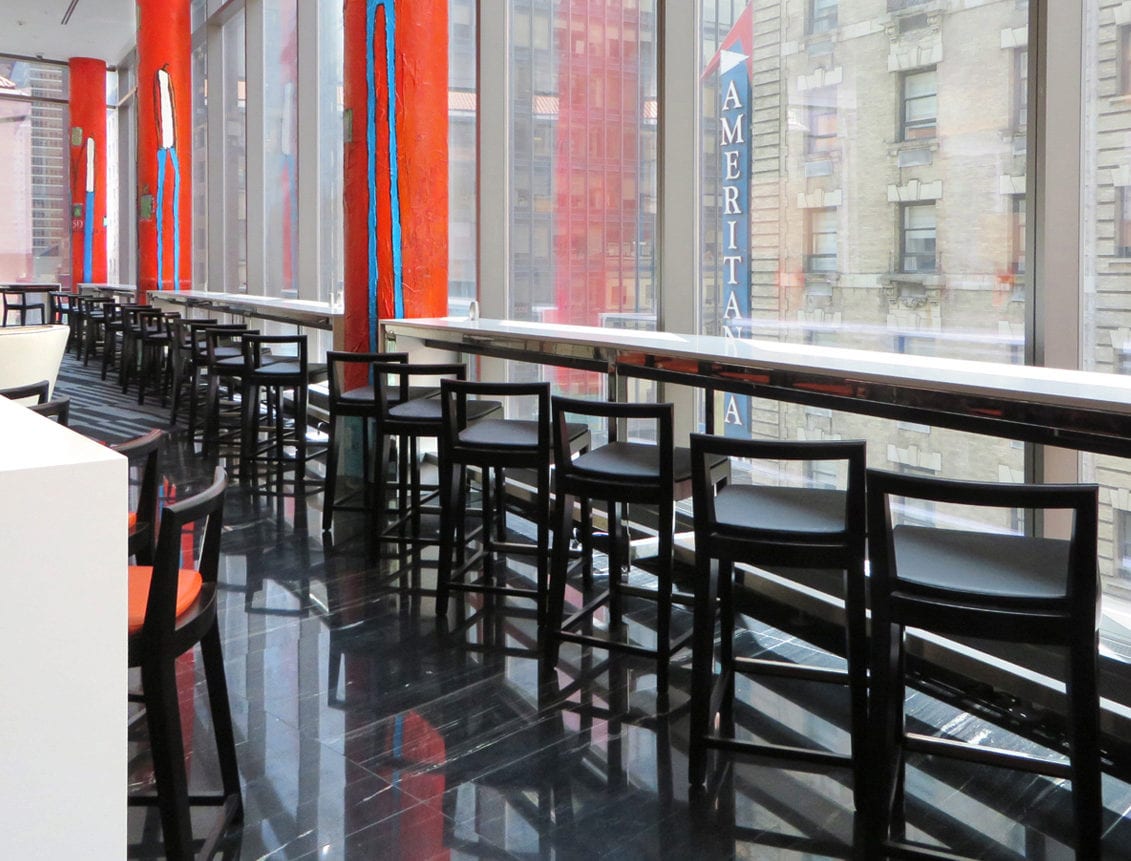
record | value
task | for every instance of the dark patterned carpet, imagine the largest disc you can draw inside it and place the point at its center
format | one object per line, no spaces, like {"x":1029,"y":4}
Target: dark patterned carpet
{"x":98,"y":407}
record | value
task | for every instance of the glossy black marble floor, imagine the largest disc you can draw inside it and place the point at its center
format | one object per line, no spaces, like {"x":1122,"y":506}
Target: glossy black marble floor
{"x":368,"y":729}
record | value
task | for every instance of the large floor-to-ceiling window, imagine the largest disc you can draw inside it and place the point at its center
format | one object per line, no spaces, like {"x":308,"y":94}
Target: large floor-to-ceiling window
{"x":34,"y":221}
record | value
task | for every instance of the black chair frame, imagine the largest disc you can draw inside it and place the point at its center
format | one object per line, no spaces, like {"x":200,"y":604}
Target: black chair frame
{"x":154,"y":648}
{"x":143,"y":453}
{"x":1070,"y":621}
{"x":841,"y":549}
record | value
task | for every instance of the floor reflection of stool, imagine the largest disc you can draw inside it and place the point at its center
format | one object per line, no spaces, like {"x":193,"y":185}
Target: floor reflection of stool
{"x":620,"y":473}
{"x":494,"y":445}
{"x":990,"y":586}
{"x":778,"y":527}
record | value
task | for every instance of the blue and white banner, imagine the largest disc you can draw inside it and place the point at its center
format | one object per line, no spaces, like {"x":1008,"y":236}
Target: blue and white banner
{"x":734,"y":260}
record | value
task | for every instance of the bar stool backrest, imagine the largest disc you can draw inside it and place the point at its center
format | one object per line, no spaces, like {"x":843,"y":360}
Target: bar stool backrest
{"x":41,"y":391}
{"x":454,"y":395}
{"x":259,"y":351}
{"x":391,"y":382}
{"x":613,"y":413}
{"x":989,"y":613}
{"x":344,"y":367}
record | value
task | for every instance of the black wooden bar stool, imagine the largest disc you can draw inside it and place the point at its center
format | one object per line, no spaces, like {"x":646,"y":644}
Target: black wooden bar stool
{"x":274,"y":365}
{"x":172,"y":608}
{"x":494,"y":445}
{"x":224,"y":367}
{"x":352,"y":395}
{"x":405,"y":420}
{"x":619,"y":473}
{"x":776,"y":527}
{"x":16,"y":302}
{"x":990,"y":586}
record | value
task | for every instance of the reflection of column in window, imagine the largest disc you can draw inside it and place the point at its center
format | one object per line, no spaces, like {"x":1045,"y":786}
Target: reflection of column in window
{"x":88,"y":215}
{"x":290,"y":190}
{"x":166,"y":117}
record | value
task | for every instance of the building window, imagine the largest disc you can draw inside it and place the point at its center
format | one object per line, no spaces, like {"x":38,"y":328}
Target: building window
{"x":1020,"y":89}
{"x":1123,"y":544}
{"x":1017,"y":234}
{"x":920,"y":104}
{"x":822,"y":15}
{"x":1123,"y":221}
{"x":820,"y":240}
{"x":1124,"y":59}
{"x":917,"y":238}
{"x":821,"y":136}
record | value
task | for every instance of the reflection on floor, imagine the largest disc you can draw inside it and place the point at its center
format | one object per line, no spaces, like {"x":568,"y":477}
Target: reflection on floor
{"x":368,"y":730}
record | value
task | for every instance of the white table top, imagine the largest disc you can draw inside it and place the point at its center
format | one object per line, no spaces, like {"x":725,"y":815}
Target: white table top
{"x":305,"y":312}
{"x":1057,"y":386}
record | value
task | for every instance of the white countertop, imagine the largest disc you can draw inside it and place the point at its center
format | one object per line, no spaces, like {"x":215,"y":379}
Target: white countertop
{"x":1016,"y":383}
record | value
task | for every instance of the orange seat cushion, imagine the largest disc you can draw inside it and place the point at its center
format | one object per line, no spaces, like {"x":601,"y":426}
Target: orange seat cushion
{"x":188,"y":587}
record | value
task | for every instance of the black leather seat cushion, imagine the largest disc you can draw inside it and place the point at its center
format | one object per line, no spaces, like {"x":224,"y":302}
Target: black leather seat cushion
{"x":981,"y":563}
{"x":516,"y":433}
{"x":366,"y":394}
{"x":781,"y":509}
{"x":633,"y":460}
{"x":429,"y":410}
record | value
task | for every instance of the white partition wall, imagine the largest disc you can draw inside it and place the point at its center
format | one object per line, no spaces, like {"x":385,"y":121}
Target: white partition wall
{"x":63,"y":510}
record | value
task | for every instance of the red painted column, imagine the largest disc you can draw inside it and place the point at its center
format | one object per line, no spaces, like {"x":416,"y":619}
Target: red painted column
{"x":164,"y":145}
{"x":396,"y":163}
{"x":88,"y":169}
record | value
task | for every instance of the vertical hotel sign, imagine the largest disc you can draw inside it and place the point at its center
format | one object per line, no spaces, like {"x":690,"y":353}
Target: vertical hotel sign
{"x":733,"y":66}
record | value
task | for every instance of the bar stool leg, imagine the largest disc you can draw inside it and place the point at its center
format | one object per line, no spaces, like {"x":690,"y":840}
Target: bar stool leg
{"x":452,"y":507}
{"x":702,"y":667}
{"x":857,"y":656}
{"x":615,"y":564}
{"x":559,"y":567}
{"x":221,"y":716}
{"x":1084,"y":734}
{"x":162,"y":711}
{"x":542,"y":503}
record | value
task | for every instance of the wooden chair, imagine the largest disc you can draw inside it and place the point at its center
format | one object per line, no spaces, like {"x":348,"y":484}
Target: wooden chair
{"x":57,"y":408}
{"x":16,"y":302}
{"x":779,"y":526}
{"x":990,"y":586}
{"x":172,"y":608}
{"x":620,"y":472}
{"x":494,"y":445}
{"x":41,"y":391}
{"x":143,"y":453}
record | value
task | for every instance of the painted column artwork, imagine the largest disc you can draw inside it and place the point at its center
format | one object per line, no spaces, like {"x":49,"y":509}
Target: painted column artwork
{"x":164,"y":203}
{"x":396,"y":163}
{"x":88,"y":169}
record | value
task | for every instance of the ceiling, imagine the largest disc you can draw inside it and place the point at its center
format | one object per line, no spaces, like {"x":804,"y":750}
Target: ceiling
{"x":97,"y":28}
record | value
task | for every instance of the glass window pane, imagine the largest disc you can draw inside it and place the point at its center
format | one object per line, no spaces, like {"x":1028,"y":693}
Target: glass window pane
{"x":583,"y":165}
{"x":1105,"y":309}
{"x":882,"y":208}
{"x":280,"y":147}
{"x":235,"y":161}
{"x":35,"y":226}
